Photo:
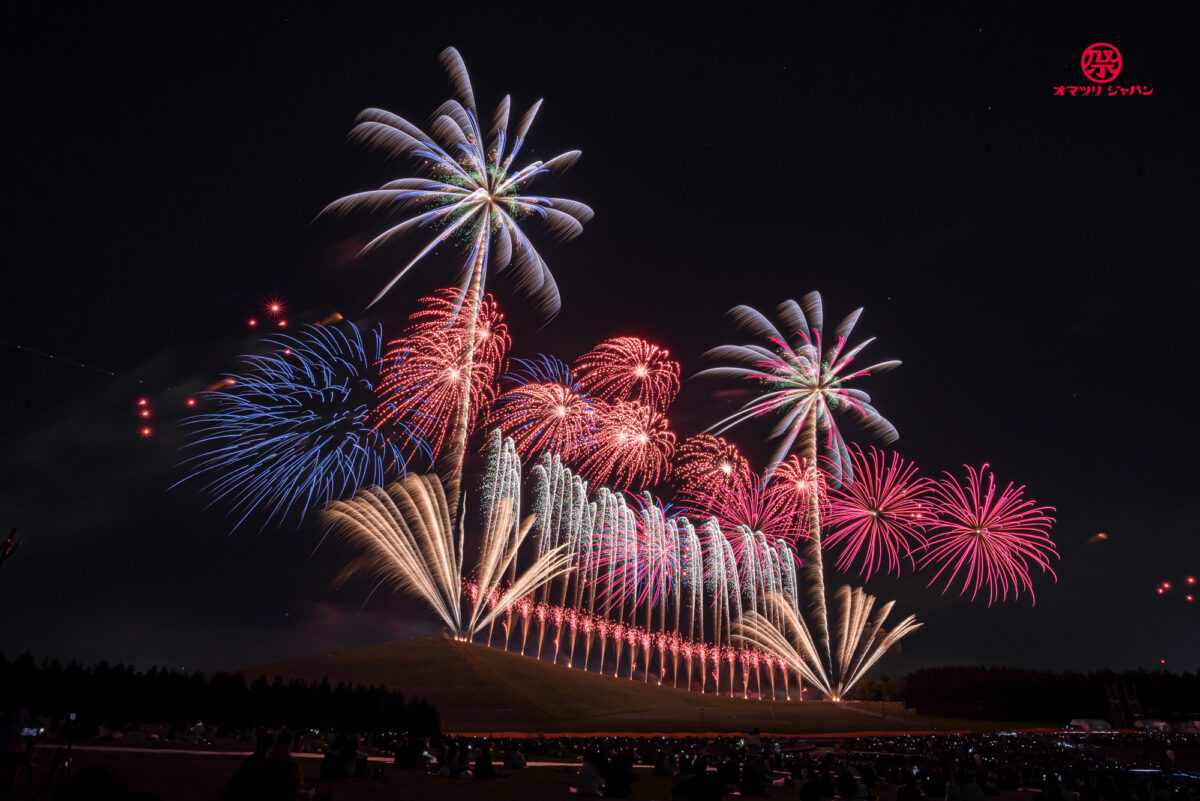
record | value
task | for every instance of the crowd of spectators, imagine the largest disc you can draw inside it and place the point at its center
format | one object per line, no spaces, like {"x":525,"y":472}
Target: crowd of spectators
{"x":1062,"y":766}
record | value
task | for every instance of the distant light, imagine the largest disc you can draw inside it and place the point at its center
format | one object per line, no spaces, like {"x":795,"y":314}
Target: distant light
{"x":190,"y":402}
{"x":146,"y":431}
{"x":252,"y":322}
{"x":1190,"y":579}
{"x":283,"y":323}
{"x":287,"y":351}
{"x":142,"y":402}
{"x":145,"y":412}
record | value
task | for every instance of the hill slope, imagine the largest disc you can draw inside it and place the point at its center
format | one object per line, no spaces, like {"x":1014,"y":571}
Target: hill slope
{"x":481,"y":689}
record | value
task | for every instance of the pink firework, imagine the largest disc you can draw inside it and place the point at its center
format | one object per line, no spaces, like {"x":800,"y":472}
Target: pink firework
{"x":881,"y":514}
{"x":633,"y":448}
{"x":548,"y":417}
{"x":704,"y":461}
{"x":775,"y":508}
{"x":808,"y":484}
{"x":630,"y":369}
{"x":992,"y":538}
{"x":648,"y":573}
{"x":424,"y":374}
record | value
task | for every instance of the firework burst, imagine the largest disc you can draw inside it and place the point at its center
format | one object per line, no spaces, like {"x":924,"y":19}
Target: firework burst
{"x":630,"y":369}
{"x":747,"y":501}
{"x":425,"y":379}
{"x":291,"y":431}
{"x":471,"y":193}
{"x":992,"y":538}
{"x":548,"y":412}
{"x":408,"y":534}
{"x":859,"y":639}
{"x":880,"y":515}
{"x":633,"y":448}
{"x":803,"y":378}
{"x":704,"y":462}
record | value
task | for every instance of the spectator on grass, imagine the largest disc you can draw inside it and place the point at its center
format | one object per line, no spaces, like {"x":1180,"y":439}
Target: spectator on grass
{"x":460,"y":762}
{"x":281,"y":752}
{"x":514,"y":759}
{"x":342,"y":760}
{"x":100,"y":783}
{"x":964,"y":788}
{"x":908,"y":790}
{"x":484,"y":769}
{"x":264,"y":775}
{"x":851,"y":789}
{"x":591,"y":778}
{"x":619,"y":776}
{"x":935,"y":784}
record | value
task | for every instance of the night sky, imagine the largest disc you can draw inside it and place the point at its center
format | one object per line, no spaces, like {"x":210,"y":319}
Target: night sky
{"x":1031,"y":259}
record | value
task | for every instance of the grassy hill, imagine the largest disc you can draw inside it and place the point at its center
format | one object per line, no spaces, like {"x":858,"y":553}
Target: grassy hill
{"x":482,"y":689}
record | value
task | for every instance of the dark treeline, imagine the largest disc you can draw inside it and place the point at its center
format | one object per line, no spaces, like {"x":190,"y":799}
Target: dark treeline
{"x":1042,"y":696}
{"x":119,"y":695}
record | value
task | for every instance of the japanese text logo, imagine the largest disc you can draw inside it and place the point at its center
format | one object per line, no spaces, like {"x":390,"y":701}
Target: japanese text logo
{"x":1101,"y":63}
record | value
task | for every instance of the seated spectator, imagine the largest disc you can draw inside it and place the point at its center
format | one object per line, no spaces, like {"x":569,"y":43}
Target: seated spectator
{"x":964,"y":788}
{"x":908,"y":790}
{"x":619,"y":777}
{"x":484,"y":769}
{"x":100,"y":783}
{"x":591,"y":779}
{"x":514,"y":759}
{"x":263,"y":776}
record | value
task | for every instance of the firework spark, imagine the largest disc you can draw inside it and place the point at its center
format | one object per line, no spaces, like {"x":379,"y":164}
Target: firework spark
{"x":881,"y":514}
{"x":633,"y":448}
{"x":292,"y":430}
{"x":992,"y":538}
{"x":630,"y":369}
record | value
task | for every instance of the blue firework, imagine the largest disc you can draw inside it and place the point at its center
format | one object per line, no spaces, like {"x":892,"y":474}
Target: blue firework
{"x":291,"y":430}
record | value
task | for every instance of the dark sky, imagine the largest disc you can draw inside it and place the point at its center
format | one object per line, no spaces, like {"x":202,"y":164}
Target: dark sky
{"x":1030,"y":258}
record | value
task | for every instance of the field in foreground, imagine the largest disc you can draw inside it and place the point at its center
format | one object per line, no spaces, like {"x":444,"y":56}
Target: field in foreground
{"x":481,"y":689}
{"x":179,"y":777}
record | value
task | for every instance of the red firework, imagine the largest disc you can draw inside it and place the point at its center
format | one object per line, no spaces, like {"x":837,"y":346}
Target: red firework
{"x":881,"y":514}
{"x":548,"y":417}
{"x":630,"y":369}
{"x":994,"y":538}
{"x":425,"y":372}
{"x":633,"y":448}
{"x":704,"y":462}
